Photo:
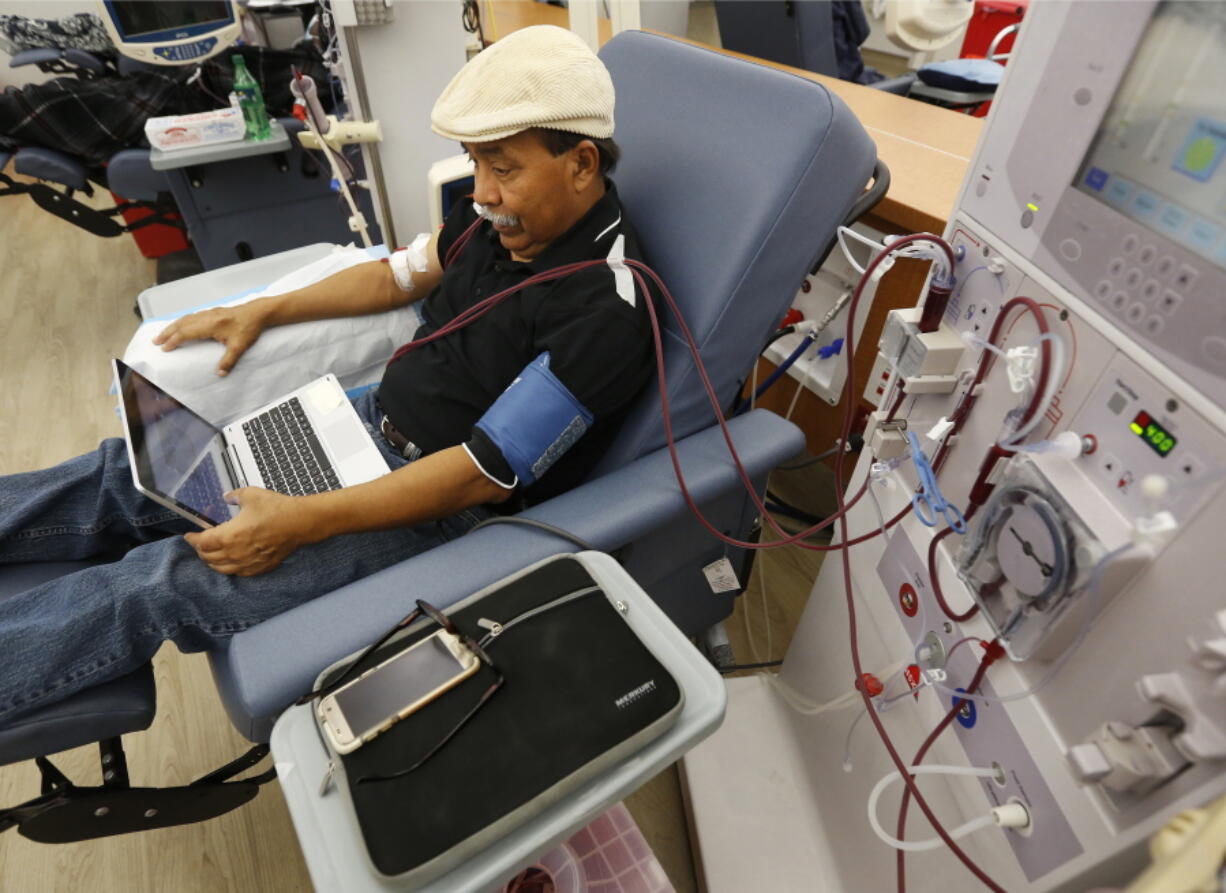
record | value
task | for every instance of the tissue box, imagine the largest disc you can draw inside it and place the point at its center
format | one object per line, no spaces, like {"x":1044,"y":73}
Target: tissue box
{"x":200,"y":129}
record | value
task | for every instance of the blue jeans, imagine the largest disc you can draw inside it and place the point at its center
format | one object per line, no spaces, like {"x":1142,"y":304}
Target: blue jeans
{"x":103,"y":622}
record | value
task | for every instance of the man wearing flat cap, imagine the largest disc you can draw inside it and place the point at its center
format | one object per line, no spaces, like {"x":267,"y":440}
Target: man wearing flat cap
{"x":513,"y":408}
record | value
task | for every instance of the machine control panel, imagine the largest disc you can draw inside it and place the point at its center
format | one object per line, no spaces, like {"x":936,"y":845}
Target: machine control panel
{"x":1126,"y":210}
{"x":1142,"y":430}
{"x":985,"y":729}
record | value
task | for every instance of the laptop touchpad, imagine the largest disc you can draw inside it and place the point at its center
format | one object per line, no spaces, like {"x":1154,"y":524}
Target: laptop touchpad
{"x":345,"y":438}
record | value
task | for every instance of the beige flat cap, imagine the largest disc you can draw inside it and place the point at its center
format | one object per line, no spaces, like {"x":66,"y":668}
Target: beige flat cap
{"x":543,"y":76}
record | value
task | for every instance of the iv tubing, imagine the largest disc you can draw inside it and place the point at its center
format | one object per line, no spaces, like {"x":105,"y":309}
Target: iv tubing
{"x":1013,"y":441}
{"x":932,"y":843}
{"x":778,"y":373}
{"x":981,"y":489}
{"x":340,"y":178}
{"x":857,"y":665}
{"x":991,"y":655}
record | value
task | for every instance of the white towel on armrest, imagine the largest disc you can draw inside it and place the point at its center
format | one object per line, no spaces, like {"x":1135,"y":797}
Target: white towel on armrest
{"x":355,"y":349}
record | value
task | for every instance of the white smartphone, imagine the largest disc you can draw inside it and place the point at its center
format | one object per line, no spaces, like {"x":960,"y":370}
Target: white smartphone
{"x":388,"y":692}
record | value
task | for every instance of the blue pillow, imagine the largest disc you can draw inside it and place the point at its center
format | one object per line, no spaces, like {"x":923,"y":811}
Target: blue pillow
{"x":963,"y":75}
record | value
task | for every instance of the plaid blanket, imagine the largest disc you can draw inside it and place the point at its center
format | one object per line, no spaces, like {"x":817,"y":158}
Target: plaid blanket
{"x":88,"y":119}
{"x":95,"y":118}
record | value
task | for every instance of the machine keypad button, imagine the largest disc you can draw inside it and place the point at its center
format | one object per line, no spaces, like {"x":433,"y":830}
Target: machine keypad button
{"x":1135,"y":313}
{"x":1130,"y":244}
{"x":1185,"y":278}
{"x":1170,"y":302}
{"x":1070,"y":249}
{"x":1213,"y":349}
{"x":1154,"y":325}
{"x":1133,"y":278}
{"x":1150,"y":290}
{"x":1165,"y":267}
{"x":1119,"y":301}
{"x":1027,"y":218}
{"x":1103,"y":289}
{"x":1147,"y":254}
{"x":1116,"y":267}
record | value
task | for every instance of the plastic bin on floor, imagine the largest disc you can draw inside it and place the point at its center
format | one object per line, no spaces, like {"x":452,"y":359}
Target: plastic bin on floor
{"x":608,"y":856}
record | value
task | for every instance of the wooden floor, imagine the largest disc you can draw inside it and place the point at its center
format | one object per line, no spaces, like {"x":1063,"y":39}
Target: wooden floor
{"x":67,"y":299}
{"x":67,"y":302}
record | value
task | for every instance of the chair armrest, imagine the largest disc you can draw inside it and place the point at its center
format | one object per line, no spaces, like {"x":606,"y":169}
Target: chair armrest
{"x":84,"y":59}
{"x":34,"y":57}
{"x":130,"y":175}
{"x":51,"y":164}
{"x":172,"y":298}
{"x":266,"y":667}
{"x":900,"y":85}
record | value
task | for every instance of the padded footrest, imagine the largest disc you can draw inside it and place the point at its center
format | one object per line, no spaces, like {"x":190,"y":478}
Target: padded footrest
{"x":106,"y":711}
{"x":48,"y":164}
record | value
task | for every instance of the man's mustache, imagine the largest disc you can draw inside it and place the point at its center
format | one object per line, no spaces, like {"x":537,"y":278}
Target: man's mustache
{"x":494,"y":217}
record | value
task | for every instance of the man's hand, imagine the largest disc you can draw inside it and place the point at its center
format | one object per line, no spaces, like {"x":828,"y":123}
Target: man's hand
{"x":237,"y":328}
{"x":264,"y":533}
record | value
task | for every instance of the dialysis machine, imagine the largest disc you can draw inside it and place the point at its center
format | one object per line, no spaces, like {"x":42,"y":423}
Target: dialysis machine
{"x":1096,"y":562}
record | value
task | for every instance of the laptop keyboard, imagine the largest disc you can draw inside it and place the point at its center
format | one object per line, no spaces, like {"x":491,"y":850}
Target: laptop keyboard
{"x":287,"y":453}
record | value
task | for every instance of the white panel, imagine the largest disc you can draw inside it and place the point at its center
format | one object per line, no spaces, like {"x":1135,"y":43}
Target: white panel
{"x":404,"y":66}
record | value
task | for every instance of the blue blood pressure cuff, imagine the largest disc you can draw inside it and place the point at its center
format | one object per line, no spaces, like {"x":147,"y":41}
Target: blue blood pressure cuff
{"x":529,"y":427}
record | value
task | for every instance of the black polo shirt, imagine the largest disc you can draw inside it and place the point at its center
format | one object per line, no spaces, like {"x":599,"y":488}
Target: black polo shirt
{"x":593,"y":323}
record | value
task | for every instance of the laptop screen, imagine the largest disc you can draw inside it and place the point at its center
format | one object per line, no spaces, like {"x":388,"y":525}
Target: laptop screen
{"x":177,"y":453}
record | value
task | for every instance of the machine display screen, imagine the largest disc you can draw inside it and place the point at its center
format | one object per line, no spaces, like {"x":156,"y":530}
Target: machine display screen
{"x":1158,"y":438}
{"x":1159,"y":156}
{"x":141,"y":17}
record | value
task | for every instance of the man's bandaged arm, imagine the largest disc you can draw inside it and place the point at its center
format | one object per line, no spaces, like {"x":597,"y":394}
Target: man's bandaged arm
{"x":359,"y":290}
{"x":416,"y":269}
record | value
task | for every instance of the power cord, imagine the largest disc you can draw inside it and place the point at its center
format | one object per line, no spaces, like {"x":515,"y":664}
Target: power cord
{"x":539,"y":525}
{"x":732,"y":668}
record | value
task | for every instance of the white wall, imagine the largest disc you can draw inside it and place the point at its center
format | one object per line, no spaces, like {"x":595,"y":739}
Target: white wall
{"x":405,"y":66}
{"x":36,"y":9}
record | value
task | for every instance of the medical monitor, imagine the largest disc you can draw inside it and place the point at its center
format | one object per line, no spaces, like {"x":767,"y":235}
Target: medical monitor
{"x":449,"y":182}
{"x":177,"y":33}
{"x":1105,"y":165}
{"x":1157,"y":157}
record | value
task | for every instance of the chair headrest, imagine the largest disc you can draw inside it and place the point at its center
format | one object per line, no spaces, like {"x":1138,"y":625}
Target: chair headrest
{"x":736,"y":176}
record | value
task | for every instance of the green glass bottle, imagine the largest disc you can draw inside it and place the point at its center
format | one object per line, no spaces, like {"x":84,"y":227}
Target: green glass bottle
{"x":250,"y":100}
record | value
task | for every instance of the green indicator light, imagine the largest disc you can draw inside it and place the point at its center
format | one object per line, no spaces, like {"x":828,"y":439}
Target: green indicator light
{"x":1032,"y":206}
{"x":1158,"y":438}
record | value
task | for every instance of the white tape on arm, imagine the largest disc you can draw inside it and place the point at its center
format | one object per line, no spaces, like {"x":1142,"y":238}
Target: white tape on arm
{"x":407,"y":261}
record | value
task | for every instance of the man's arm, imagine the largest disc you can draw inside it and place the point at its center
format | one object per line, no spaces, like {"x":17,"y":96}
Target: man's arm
{"x":271,"y":525}
{"x":356,"y":291}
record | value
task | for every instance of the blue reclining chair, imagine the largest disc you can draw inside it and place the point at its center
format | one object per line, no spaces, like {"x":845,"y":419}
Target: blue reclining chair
{"x":735,"y":176}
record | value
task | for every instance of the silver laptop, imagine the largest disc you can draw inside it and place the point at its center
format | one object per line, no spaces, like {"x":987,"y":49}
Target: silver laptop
{"x":306,"y":442}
